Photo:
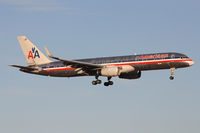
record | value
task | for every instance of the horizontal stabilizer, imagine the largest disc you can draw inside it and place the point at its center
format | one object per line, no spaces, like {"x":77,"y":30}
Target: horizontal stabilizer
{"x":24,"y":68}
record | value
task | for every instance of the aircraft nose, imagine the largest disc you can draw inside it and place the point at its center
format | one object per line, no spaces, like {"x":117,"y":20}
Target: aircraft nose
{"x":191,"y":63}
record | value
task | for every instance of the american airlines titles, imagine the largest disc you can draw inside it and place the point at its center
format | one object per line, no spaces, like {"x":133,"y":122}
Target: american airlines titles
{"x":154,"y":56}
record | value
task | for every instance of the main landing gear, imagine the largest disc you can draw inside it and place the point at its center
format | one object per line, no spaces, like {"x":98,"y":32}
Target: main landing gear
{"x":172,"y":73}
{"x":109,"y":82}
{"x":97,"y":81}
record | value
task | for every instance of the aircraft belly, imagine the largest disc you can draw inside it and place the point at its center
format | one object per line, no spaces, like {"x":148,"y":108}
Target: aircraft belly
{"x":60,"y":73}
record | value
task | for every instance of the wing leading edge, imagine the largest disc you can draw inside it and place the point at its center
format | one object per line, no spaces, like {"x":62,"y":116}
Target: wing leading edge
{"x":76,"y":64}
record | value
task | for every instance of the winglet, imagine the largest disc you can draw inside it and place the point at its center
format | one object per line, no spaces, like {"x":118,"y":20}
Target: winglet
{"x":48,"y":52}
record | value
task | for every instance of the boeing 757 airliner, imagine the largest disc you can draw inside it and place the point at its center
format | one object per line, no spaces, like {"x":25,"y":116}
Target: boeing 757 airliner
{"x":126,"y":67}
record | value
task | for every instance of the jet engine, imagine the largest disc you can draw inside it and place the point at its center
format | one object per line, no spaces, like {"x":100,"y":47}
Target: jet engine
{"x":112,"y":71}
{"x":131,"y":75}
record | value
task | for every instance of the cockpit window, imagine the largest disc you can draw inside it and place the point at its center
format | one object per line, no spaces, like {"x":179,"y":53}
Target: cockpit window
{"x":184,"y":57}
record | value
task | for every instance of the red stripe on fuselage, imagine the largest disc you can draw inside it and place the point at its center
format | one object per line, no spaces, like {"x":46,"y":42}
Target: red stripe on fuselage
{"x":59,"y":69}
{"x":131,"y":63}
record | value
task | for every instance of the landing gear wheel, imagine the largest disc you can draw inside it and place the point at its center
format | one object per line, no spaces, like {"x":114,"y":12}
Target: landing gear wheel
{"x":171,"y":77}
{"x":94,"y":82}
{"x":106,"y":84}
{"x":110,"y":82}
{"x":98,"y":81}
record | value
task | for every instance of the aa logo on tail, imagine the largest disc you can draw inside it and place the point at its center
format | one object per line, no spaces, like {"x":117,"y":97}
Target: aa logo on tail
{"x":34,"y":53}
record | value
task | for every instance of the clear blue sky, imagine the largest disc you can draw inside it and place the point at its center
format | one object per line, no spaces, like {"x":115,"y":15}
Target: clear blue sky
{"x":74,"y":29}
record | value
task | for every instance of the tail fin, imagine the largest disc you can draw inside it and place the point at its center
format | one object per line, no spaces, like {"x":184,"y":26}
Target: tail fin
{"x":32,"y":54}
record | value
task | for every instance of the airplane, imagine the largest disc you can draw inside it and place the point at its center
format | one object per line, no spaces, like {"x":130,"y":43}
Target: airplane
{"x":125,"y":67}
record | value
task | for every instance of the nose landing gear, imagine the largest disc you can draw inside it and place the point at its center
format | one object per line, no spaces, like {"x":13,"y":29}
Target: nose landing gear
{"x":172,"y":73}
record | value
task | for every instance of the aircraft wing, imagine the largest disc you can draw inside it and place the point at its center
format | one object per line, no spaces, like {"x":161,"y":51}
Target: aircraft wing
{"x":75,"y":64}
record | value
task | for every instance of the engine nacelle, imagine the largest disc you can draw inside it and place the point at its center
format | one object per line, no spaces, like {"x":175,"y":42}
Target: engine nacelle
{"x":110,"y":71}
{"x":126,"y":69}
{"x":131,"y":75}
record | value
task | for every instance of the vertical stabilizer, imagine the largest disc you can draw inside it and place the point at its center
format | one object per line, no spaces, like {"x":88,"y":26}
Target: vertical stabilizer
{"x":32,"y":54}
